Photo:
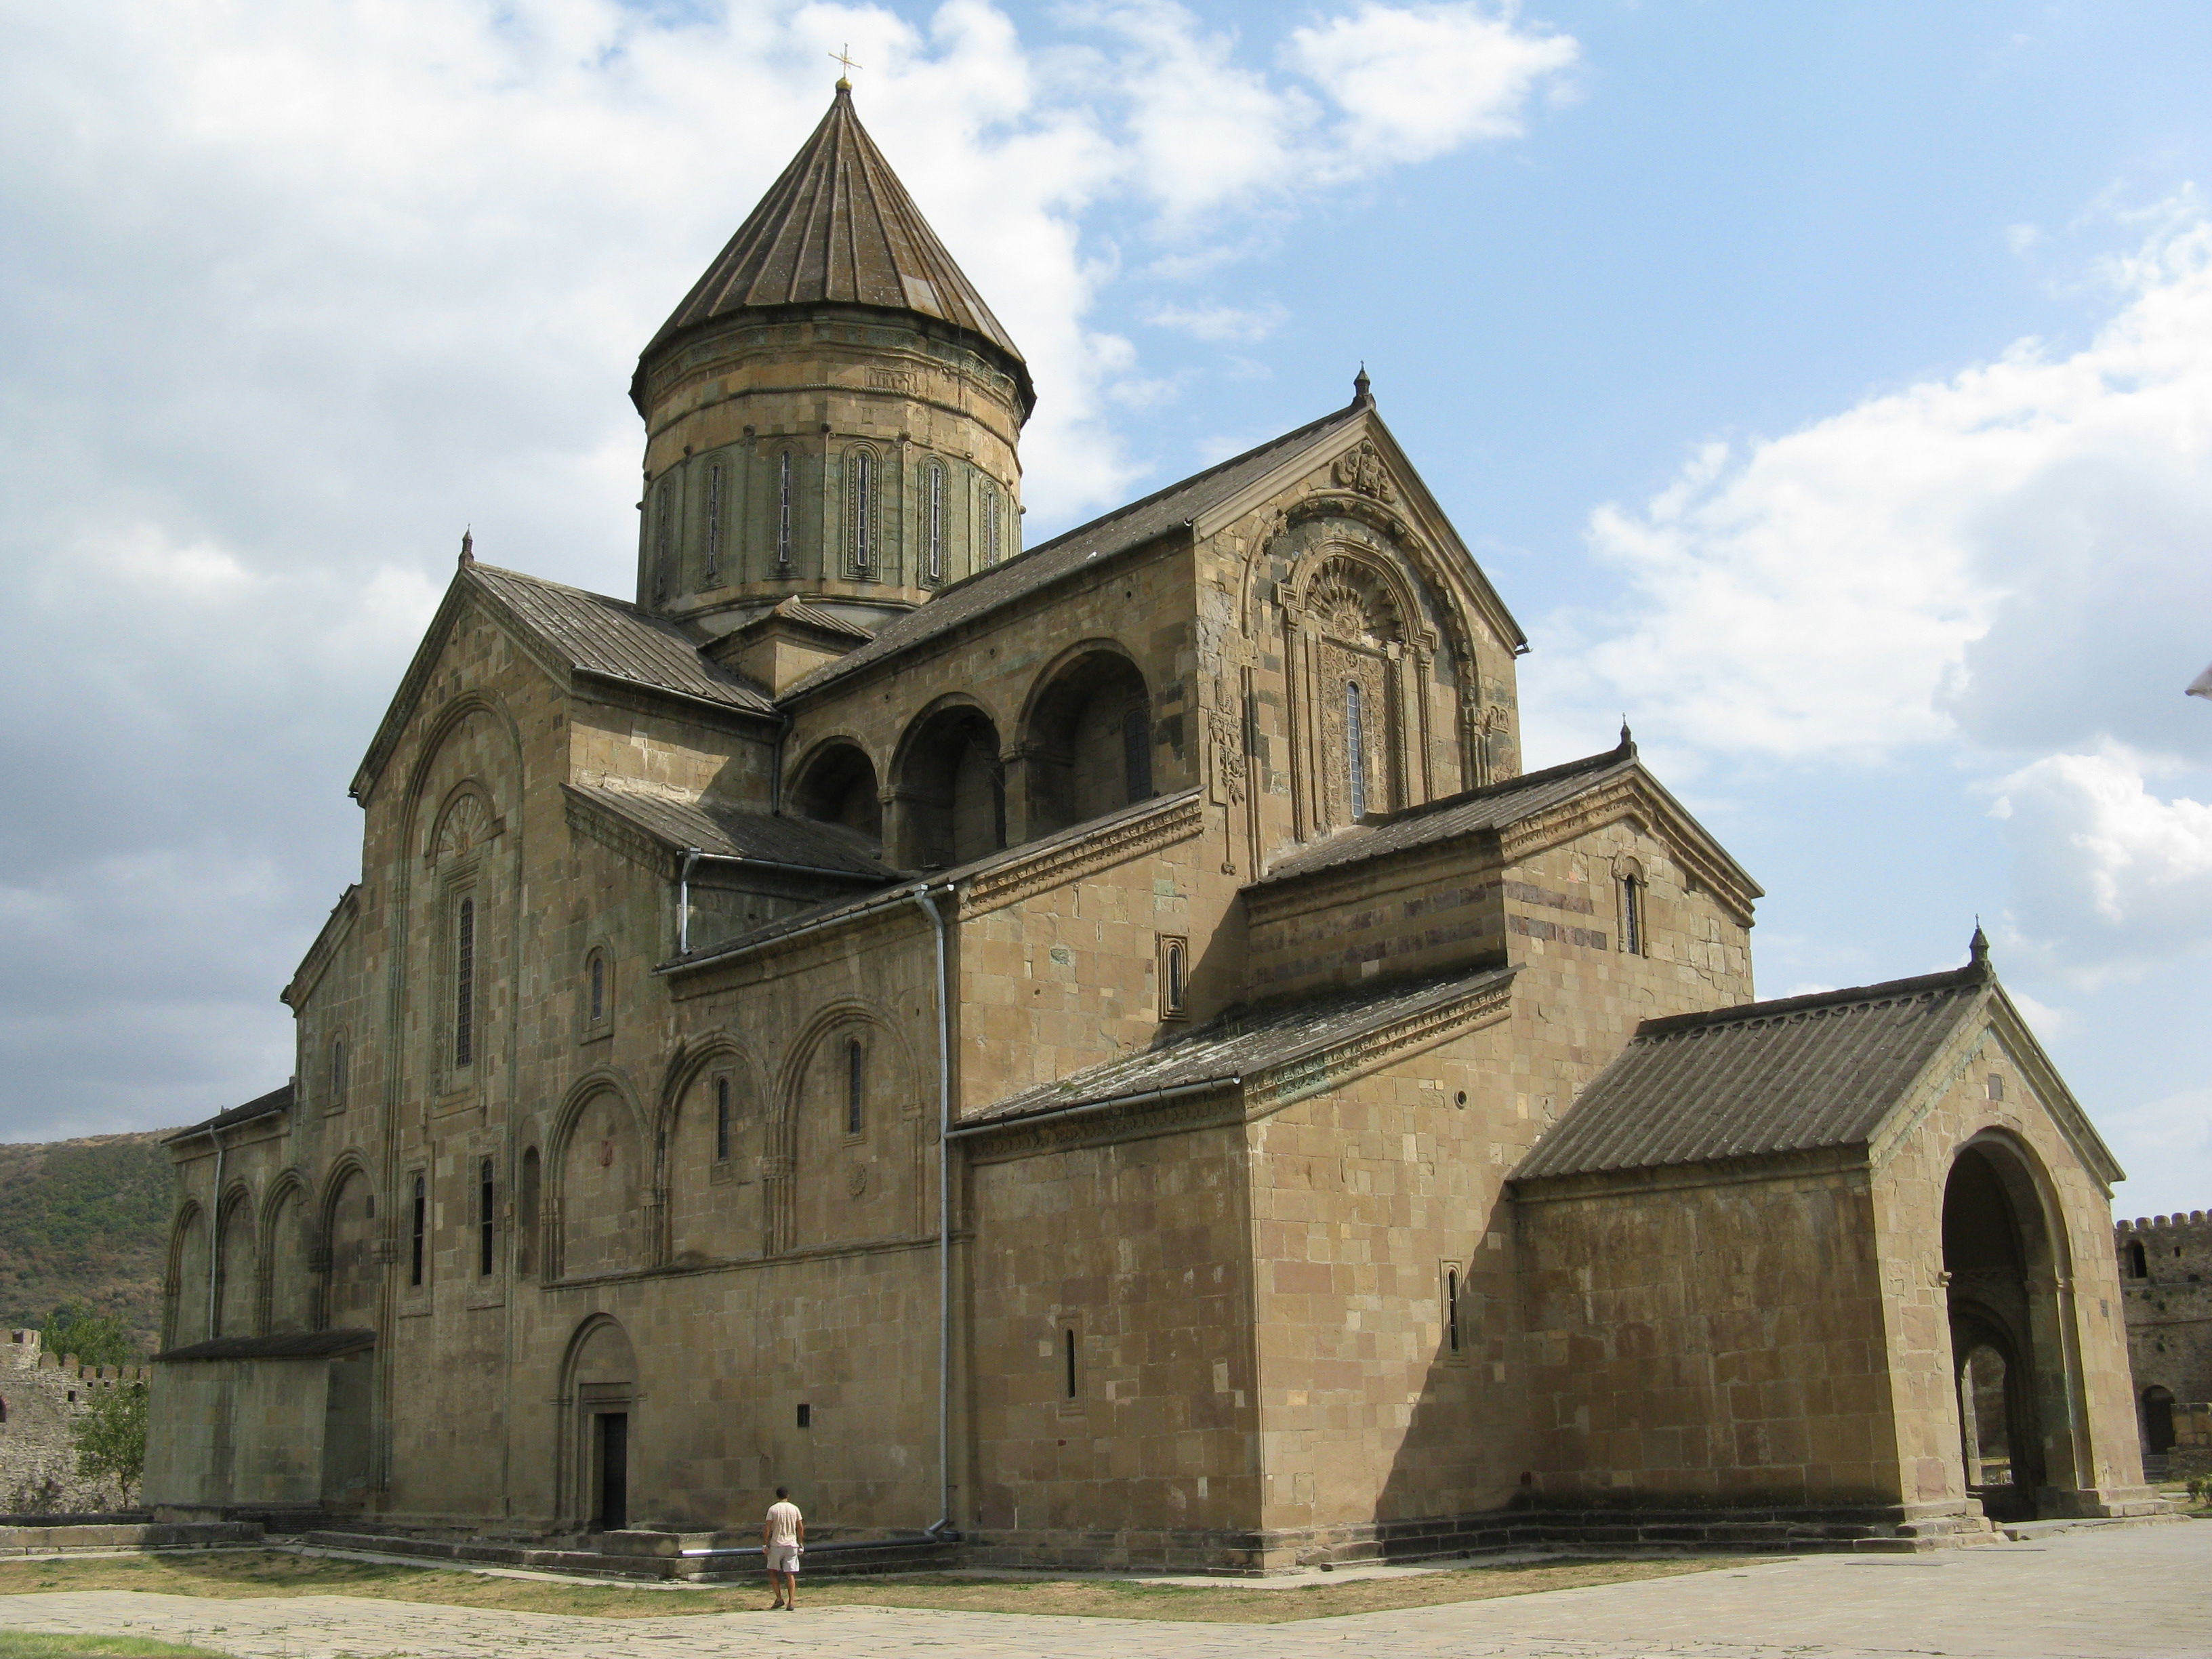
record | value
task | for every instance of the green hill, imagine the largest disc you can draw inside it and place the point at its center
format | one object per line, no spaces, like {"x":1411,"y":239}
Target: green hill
{"x":85,"y":1221}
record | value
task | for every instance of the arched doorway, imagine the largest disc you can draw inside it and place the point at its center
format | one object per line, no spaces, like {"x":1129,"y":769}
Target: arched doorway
{"x":2006,"y":1347}
{"x":601,"y":1396}
{"x":2157,"y":1421}
{"x":1088,"y":749}
{"x":838,"y":788}
{"x":951,"y":791}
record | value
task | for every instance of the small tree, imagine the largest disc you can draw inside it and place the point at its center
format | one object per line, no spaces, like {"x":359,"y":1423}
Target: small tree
{"x":110,"y":1436}
{"x":97,"y":1338}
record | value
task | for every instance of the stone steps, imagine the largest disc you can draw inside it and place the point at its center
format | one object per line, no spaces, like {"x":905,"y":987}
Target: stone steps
{"x":693,"y":1556}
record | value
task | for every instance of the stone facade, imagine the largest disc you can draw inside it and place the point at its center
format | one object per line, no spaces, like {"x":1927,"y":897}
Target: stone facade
{"x":1039,"y":1046}
{"x":41,"y":1395}
{"x":2165,"y":1280}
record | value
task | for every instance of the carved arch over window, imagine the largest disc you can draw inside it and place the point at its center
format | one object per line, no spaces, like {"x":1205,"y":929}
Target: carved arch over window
{"x":466,"y":825}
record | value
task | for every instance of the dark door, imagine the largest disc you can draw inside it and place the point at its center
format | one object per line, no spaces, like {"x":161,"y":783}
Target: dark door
{"x":2158,"y":1422}
{"x":614,"y":1471}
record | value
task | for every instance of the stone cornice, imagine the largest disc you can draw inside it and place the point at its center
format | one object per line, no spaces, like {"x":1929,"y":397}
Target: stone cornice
{"x":595,"y":823}
{"x":336,"y":928}
{"x":1175,"y":818}
{"x":1140,"y":1120}
{"x":1636,"y":792}
{"x":1295,"y":1080}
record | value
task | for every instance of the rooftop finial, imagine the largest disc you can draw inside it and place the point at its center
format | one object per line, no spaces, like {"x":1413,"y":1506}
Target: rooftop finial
{"x":1360,"y":384}
{"x":1627,"y":741}
{"x":844,"y":55}
{"x":469,"y":546}
{"x":1978,"y":948}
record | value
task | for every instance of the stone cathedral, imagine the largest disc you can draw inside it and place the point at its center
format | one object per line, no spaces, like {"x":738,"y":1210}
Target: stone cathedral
{"x":1093,"y":1053}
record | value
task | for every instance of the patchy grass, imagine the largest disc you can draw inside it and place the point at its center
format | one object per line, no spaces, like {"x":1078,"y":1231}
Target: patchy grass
{"x":36,"y":1644}
{"x":272,"y":1572}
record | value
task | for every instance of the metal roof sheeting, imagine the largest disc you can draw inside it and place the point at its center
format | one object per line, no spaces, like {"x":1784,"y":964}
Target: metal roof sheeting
{"x":1763,"y":1078}
{"x":838,"y":227}
{"x":726,"y":832}
{"x":613,"y":640}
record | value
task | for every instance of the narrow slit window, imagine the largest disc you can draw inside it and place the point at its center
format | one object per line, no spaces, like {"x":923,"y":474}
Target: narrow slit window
{"x":464,"y":982}
{"x":990,"y":525}
{"x":1067,"y":1353}
{"x":783,"y":510}
{"x":933,"y":514}
{"x":487,"y":1220}
{"x":337,"y":1070}
{"x":1451,"y":1308}
{"x":1175,"y":969}
{"x":864,"y":512}
{"x":418,"y":1229}
{"x":714,"y":523}
{"x":2138,"y":1259}
{"x":598,"y":978}
{"x":1632,"y":915}
{"x":525,"y":1237}
{"x":663,"y":513}
{"x":721,"y":1120}
{"x":1355,"y":748}
{"x":805,"y":1416}
{"x":856,"y":1086}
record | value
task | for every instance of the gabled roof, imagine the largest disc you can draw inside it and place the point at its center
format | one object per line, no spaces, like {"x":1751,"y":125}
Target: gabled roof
{"x":1792,"y":1075}
{"x":581,"y":634}
{"x":838,"y":227}
{"x":796,"y":844}
{"x":1039,"y":567}
{"x":276,"y":1100}
{"x":1469,"y":812}
{"x":1243,"y":1044}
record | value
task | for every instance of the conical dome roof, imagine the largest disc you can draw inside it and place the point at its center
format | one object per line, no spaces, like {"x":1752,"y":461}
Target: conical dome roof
{"x":838,"y":227}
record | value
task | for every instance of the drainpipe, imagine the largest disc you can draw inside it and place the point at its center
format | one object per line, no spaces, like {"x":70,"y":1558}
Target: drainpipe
{"x":691,"y":856}
{"x":938,"y":925}
{"x":214,"y":1234}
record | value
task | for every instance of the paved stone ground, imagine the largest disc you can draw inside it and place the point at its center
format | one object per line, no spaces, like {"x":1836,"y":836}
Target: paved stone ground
{"x":2131,"y":1593}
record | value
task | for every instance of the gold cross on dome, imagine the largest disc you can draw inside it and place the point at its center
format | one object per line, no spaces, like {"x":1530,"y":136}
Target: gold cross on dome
{"x":844,"y":55}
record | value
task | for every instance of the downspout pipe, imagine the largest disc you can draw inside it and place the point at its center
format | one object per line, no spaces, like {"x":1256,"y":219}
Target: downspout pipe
{"x":939,"y":922}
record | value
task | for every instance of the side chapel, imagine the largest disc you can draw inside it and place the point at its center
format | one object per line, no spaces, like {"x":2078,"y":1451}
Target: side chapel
{"x":1097,"y":1049}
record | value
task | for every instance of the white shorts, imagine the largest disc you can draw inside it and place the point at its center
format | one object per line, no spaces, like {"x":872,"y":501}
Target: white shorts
{"x":783,"y":1557}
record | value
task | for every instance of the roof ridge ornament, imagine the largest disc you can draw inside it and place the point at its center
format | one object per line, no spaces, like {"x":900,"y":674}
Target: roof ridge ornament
{"x":1978,"y":948}
{"x":844,"y":55}
{"x":468,"y":545}
{"x":1363,"y":395}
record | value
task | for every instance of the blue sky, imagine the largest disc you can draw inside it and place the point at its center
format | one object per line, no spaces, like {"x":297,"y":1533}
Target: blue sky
{"x":1828,"y":388}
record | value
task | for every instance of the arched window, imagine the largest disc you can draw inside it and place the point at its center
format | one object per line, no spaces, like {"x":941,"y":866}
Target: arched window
{"x":861,"y":468}
{"x":1355,"y":749}
{"x":487,"y":1218}
{"x":2138,"y":1259}
{"x":1068,"y":1352}
{"x":3,"y":1411}
{"x":721,"y":1120}
{"x":1175,"y":969}
{"x":990,"y":525}
{"x":464,"y":982}
{"x":419,"y":1226}
{"x":856,"y":1064}
{"x":337,"y":1071}
{"x":596,"y":997}
{"x":714,"y":523}
{"x":932,"y":512}
{"x":1451,"y":1310}
{"x":783,"y":510}
{"x":1631,"y":914}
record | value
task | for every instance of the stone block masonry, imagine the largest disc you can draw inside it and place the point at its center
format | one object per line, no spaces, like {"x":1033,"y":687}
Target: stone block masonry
{"x":41,"y":1395}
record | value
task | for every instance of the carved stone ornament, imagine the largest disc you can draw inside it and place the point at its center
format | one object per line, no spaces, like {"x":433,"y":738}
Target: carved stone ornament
{"x":856,"y":1180}
{"x":1362,"y":470}
{"x":468,"y":823}
{"x":1228,"y":753}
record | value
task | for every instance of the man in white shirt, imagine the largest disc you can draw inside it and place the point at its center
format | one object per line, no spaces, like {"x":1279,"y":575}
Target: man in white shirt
{"x":783,"y":1535}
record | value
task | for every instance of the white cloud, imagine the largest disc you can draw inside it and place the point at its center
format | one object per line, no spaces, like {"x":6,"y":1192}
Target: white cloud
{"x":2165,"y":1146}
{"x":1242,"y":323}
{"x":2012,"y":556}
{"x":2109,"y":875}
{"x":1413,"y":81}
